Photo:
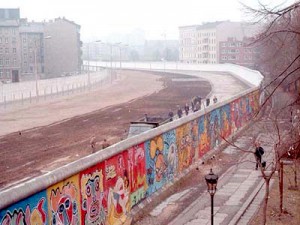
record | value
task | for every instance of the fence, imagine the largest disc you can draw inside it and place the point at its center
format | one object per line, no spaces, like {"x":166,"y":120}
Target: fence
{"x":48,"y":88}
{"x":105,"y":186}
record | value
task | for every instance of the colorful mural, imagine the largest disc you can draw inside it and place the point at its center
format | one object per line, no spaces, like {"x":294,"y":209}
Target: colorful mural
{"x":185,"y":148}
{"x":137,"y":173}
{"x":225,"y":121}
{"x":63,"y":202}
{"x":203,"y":132}
{"x":30,"y":211}
{"x":170,"y":149}
{"x":215,"y":128}
{"x":106,"y":192}
{"x":156,"y":164}
{"x":117,"y":188}
{"x":93,"y":202}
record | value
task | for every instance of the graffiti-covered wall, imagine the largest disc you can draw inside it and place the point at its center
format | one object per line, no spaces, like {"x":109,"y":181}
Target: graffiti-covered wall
{"x":106,"y":192}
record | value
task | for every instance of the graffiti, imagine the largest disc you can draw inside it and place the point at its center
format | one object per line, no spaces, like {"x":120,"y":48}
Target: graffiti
{"x":137,"y":173}
{"x":156,"y":164}
{"x":92,"y":197}
{"x":106,"y":192}
{"x":118,"y":189}
{"x":204,"y":138}
{"x":23,"y":214}
{"x":63,"y":205}
{"x":171,"y":152}
{"x":184,"y":144}
{"x":225,"y":121}
{"x":16,"y":218}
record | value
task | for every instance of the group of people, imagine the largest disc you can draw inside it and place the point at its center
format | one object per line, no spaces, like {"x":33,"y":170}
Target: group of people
{"x":195,"y":106}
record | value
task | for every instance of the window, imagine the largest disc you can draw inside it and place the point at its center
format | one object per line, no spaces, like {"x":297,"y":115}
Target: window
{"x":223,"y":44}
{"x":15,"y":61}
{"x":6,"y":50}
{"x":24,"y":40}
{"x":7,"y":61}
{"x":1,"y":62}
{"x":0,"y":40}
{"x":1,"y":50}
{"x":7,"y":74}
{"x":13,"y":40}
{"x":14,"y":50}
{"x":6,"y":40}
{"x":1,"y":73}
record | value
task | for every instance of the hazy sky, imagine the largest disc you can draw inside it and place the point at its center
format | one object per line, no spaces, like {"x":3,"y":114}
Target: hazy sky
{"x":99,"y":18}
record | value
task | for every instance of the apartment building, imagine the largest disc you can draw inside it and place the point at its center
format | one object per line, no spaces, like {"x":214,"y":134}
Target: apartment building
{"x":42,"y":49}
{"x":31,"y":49}
{"x":200,"y":43}
{"x":243,"y":52}
{"x":9,"y":45}
{"x":62,"y":48}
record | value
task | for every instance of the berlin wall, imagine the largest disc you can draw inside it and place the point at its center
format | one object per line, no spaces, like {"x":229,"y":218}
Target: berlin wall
{"x":103,"y":188}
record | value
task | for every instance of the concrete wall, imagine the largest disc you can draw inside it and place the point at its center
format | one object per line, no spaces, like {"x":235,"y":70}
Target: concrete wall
{"x":105,"y":186}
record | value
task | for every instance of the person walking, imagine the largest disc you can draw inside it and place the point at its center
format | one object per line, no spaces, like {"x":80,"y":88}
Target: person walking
{"x":259,"y":151}
{"x":186,"y":109}
{"x":179,"y":112}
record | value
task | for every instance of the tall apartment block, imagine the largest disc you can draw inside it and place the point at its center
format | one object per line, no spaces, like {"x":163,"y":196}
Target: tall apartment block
{"x":42,"y":49}
{"x":200,"y":44}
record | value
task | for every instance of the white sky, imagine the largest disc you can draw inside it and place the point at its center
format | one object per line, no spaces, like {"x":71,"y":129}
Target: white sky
{"x":99,"y":18}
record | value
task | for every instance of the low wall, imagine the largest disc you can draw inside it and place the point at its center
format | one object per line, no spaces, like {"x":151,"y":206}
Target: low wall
{"x":105,"y":186}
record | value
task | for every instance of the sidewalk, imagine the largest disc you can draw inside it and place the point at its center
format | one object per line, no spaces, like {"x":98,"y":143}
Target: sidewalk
{"x":240,"y":189}
{"x":236,"y":189}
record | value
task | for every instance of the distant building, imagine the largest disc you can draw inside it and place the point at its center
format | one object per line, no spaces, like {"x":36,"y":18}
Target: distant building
{"x":63,"y":49}
{"x":9,"y":45}
{"x":200,"y":43}
{"x":31,"y":49}
{"x":238,"y":52}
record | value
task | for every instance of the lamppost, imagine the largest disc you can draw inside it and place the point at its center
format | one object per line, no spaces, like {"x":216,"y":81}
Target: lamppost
{"x":211,"y":181}
{"x":120,"y":46}
{"x":89,"y":75}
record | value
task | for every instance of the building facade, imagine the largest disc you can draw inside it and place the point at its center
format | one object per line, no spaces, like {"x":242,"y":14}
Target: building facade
{"x":63,"y":48}
{"x":9,"y":45}
{"x":200,"y":44}
{"x":33,"y":50}
{"x":238,"y":52}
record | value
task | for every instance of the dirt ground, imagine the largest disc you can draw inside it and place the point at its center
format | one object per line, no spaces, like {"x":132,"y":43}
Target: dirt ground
{"x":35,"y":151}
{"x":291,"y":201}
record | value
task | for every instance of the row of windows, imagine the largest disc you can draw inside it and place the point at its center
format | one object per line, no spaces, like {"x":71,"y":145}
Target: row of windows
{"x":199,"y":34}
{"x":232,"y":44}
{"x":6,"y":50}
{"x":4,"y":73}
{"x":246,"y":50}
{"x":6,"y":40}
{"x":6,"y":62}
{"x":8,"y":30}
{"x":235,"y":57}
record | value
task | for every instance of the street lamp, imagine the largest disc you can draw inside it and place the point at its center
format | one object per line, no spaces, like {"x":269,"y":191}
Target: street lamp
{"x":89,"y":75}
{"x":211,"y":181}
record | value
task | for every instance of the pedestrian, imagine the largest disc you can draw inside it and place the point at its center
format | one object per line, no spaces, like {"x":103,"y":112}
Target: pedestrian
{"x":179,"y":112}
{"x":215,"y":99}
{"x":207,"y":102}
{"x":171,"y":114}
{"x":93,"y":143}
{"x":186,"y":109}
{"x":259,"y":151}
{"x":105,"y":144}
